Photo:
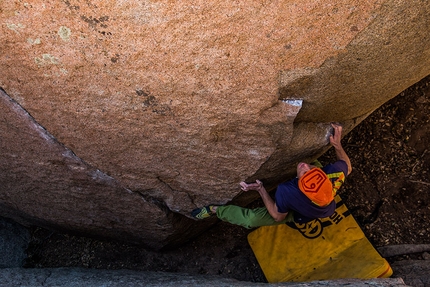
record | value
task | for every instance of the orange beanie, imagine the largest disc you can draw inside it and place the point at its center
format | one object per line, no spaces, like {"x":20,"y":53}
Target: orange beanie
{"x":317,"y":187}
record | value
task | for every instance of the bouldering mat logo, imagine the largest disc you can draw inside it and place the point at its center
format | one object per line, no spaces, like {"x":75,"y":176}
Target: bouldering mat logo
{"x":311,"y":229}
{"x":314,"y":228}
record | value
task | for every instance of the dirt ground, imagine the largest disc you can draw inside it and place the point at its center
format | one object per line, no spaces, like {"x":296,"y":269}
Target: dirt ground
{"x":387,"y":193}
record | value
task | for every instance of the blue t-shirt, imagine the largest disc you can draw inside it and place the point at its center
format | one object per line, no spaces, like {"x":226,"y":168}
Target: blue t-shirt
{"x":289,"y":197}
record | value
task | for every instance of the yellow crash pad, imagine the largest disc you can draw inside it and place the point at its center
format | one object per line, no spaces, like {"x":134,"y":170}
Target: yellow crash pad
{"x":328,"y":248}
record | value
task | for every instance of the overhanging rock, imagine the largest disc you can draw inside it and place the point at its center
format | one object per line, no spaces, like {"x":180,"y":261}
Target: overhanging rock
{"x":45,"y":183}
{"x":154,"y":108}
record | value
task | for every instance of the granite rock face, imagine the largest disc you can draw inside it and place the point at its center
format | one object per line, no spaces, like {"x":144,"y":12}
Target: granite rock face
{"x":120,"y":117}
{"x":46,"y":184}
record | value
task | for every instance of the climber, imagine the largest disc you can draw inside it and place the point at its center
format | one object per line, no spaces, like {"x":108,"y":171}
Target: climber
{"x":308,"y":196}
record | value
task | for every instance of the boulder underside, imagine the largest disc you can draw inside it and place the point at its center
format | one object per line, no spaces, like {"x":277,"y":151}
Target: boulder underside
{"x":117,"y":118}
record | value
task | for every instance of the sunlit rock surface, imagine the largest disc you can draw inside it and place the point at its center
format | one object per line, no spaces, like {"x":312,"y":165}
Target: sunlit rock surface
{"x":120,"y":117}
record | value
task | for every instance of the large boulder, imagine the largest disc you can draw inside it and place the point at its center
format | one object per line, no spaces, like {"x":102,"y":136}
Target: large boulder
{"x":120,"y":117}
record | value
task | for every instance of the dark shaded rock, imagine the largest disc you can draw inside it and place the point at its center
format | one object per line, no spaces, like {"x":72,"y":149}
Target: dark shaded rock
{"x":414,"y":272}
{"x":68,"y":277}
{"x":402,"y":249}
{"x":14,"y":240}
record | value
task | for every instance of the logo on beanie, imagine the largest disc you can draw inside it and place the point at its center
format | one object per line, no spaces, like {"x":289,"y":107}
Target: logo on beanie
{"x":317,"y":187}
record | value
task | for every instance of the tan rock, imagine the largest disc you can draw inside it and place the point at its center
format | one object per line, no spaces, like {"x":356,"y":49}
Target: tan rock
{"x":175,"y":102}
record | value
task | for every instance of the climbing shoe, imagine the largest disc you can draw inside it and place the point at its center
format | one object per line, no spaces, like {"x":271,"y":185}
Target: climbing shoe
{"x":204,"y":212}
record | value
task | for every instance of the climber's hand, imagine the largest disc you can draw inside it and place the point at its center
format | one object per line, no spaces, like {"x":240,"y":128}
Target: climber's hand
{"x":257,"y":185}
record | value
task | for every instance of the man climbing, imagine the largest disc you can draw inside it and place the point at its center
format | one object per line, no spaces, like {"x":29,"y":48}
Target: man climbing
{"x":308,"y":196}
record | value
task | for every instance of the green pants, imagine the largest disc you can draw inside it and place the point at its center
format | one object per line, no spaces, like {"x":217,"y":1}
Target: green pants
{"x":249,"y":218}
{"x":252,"y":218}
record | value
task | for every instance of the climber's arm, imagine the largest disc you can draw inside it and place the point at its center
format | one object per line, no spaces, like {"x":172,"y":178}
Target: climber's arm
{"x":335,"y":142}
{"x":267,"y":200}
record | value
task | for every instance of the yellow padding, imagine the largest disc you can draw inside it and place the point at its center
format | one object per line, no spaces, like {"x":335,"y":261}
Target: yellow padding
{"x":323,"y":249}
